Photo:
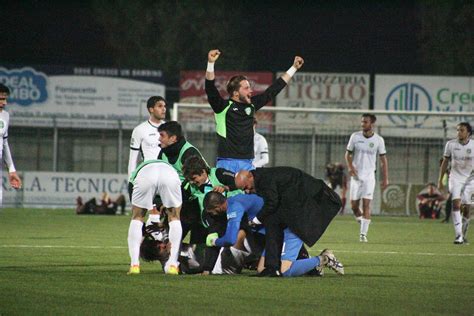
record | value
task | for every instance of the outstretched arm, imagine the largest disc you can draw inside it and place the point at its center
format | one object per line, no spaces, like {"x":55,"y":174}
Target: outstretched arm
{"x":297,"y":64}
{"x":212,"y":56}
{"x":214,"y":98}
{"x":261,"y":99}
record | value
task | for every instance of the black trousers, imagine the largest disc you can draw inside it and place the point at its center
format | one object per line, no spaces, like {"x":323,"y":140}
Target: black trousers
{"x":274,"y":236}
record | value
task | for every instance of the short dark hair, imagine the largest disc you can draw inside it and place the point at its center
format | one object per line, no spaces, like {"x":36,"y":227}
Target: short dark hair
{"x":153,"y":100}
{"x":150,"y":251}
{"x":467,"y":126}
{"x":372,"y":117}
{"x":4,"y":89}
{"x":172,"y":128}
{"x":194,"y":165}
{"x":212,"y":200}
{"x":234,"y":84}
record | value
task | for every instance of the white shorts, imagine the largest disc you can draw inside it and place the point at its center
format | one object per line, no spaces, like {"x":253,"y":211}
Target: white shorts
{"x":455,"y":188}
{"x":157,"y":178}
{"x":362,"y":188}
{"x":467,"y":193}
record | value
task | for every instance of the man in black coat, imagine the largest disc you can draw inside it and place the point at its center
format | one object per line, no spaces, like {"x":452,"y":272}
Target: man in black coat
{"x":292,"y":199}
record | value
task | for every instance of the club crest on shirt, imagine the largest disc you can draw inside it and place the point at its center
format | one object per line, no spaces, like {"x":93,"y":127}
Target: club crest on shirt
{"x":2,"y":125}
{"x":371,"y":145}
{"x":248,"y":111}
{"x":468,"y":150}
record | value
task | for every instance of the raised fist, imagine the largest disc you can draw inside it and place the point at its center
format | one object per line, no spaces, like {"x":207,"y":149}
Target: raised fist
{"x":213,"y":55}
{"x":298,"y":63}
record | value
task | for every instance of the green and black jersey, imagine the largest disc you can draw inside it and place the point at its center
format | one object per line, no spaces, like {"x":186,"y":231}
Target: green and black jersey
{"x":177,"y":153}
{"x":234,"y":120}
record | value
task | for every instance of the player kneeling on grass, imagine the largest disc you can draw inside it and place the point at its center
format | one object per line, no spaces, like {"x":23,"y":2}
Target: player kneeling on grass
{"x":250,"y":205}
{"x":151,"y":178}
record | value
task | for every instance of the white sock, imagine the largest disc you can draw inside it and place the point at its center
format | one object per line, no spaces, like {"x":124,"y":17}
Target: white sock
{"x":218,"y":265}
{"x":175,"y":234}
{"x":134,"y":241}
{"x":457,"y":222}
{"x":358,"y":218}
{"x":153,"y":218}
{"x":465,"y":225}
{"x":364,"y":226}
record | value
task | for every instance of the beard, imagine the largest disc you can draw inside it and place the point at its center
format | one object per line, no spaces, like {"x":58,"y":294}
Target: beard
{"x":244,"y":99}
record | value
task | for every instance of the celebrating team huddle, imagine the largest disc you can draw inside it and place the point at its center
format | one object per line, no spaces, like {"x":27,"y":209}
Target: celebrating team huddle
{"x":242,"y":217}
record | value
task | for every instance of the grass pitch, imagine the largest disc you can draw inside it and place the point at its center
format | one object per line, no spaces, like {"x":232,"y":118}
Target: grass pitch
{"x":55,"y":262}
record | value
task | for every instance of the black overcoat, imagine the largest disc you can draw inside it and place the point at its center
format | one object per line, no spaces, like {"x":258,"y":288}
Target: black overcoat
{"x":303,"y":203}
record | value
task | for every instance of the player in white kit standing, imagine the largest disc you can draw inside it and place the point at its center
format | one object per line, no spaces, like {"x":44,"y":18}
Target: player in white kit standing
{"x":5,"y":153}
{"x":145,"y":141}
{"x":361,"y":159}
{"x":151,"y":178}
{"x":460,"y":151}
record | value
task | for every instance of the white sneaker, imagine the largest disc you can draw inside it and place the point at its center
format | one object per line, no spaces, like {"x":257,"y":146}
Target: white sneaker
{"x":459,"y":240}
{"x":330,"y":261}
{"x":363,"y":238}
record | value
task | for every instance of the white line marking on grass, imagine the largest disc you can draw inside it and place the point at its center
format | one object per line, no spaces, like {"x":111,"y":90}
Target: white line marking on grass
{"x":52,"y":246}
{"x":408,"y":253}
{"x":346,"y":251}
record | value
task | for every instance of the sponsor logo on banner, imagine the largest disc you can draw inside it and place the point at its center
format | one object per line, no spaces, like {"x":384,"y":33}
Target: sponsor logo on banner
{"x":60,"y":189}
{"x":423,"y":93}
{"x":83,"y":97}
{"x":408,"y":97}
{"x":27,"y":86}
{"x":322,"y":91}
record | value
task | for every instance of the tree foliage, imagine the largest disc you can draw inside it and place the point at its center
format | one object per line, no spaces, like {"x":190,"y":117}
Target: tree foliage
{"x":174,"y":35}
{"x":447,"y":37}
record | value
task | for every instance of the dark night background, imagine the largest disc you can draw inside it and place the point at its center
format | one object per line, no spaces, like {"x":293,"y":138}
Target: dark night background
{"x":399,"y":37}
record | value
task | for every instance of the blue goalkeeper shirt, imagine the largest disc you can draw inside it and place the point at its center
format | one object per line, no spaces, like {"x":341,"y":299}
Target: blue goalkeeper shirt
{"x":237,"y":206}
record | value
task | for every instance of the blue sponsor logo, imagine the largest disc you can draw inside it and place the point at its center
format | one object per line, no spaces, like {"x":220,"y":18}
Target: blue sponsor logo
{"x":27,"y":86}
{"x":408,"y":97}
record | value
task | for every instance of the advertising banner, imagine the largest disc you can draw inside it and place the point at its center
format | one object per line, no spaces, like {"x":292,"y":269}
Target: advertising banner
{"x":401,"y":199}
{"x":323,"y":91}
{"x":192,"y":90}
{"x":424,"y":93}
{"x":60,"y":190}
{"x":84,"y":94}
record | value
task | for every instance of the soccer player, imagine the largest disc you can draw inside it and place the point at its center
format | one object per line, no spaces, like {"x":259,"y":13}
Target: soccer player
{"x":175,"y":149}
{"x":361,"y":157}
{"x":234,"y":117}
{"x":151,"y":178}
{"x":460,"y":152}
{"x":260,"y":148}
{"x":204,"y":179}
{"x":144,"y":143}
{"x":250,"y":205}
{"x":15,"y":181}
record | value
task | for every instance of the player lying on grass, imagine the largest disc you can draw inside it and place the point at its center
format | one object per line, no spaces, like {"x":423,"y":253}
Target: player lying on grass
{"x":244,"y":254}
{"x":249,"y":205}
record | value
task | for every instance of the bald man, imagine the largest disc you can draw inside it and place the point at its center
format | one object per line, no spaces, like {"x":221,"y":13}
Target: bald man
{"x":293,"y":199}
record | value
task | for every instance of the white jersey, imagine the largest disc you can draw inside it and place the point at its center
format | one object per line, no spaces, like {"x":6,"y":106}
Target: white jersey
{"x":4,"y":148}
{"x":462,"y":159}
{"x":364,"y":152}
{"x":144,"y":144}
{"x":260,"y":147}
